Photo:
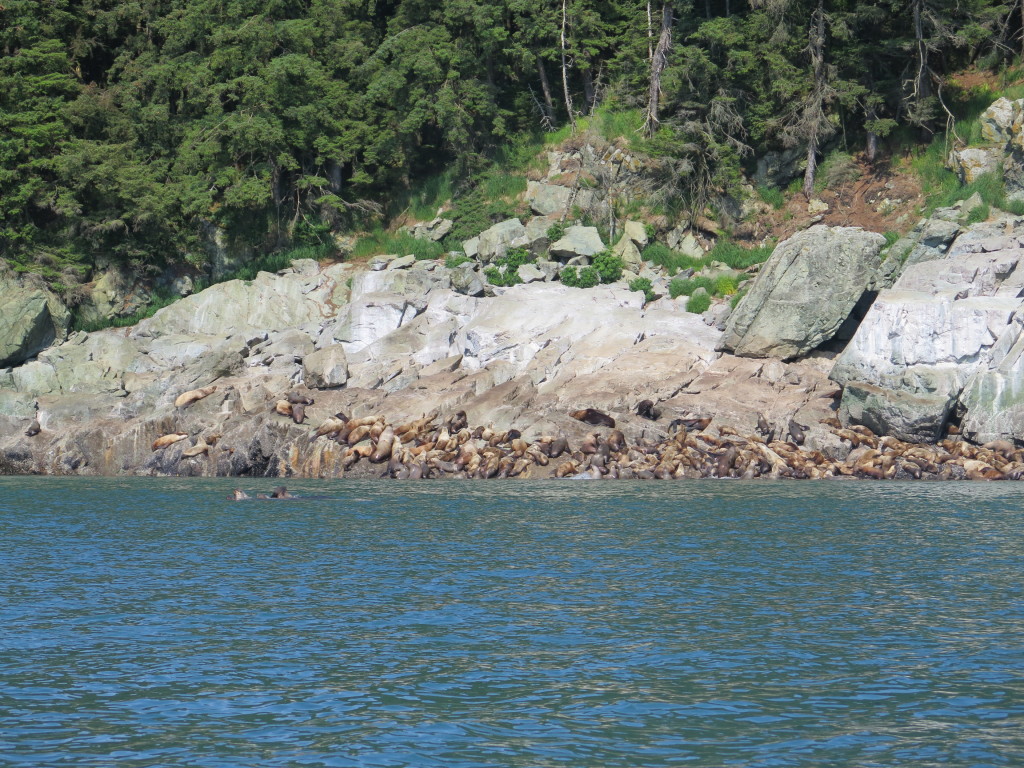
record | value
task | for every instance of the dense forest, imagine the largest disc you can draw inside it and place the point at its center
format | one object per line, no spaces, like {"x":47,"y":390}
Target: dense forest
{"x":126,"y":126}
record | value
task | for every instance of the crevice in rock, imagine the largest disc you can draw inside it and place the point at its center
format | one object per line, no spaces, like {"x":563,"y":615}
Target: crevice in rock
{"x":849,"y":327}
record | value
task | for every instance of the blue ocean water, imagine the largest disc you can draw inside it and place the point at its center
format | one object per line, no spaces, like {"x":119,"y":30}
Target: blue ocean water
{"x":150,"y":622}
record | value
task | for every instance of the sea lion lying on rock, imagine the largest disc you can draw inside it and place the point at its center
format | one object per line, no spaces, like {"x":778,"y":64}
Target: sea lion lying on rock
{"x":594,"y":418}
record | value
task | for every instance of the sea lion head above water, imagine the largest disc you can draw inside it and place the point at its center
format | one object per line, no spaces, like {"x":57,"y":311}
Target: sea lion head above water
{"x":281,"y":493}
{"x":238,"y":495}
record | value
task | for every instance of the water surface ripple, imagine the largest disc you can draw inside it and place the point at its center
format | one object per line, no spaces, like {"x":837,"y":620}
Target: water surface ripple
{"x":154,"y":623}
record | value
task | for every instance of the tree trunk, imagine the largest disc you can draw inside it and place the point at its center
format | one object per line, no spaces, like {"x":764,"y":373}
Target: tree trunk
{"x":545,"y":89}
{"x":565,"y":70}
{"x":587,"y":75}
{"x":815,"y":109}
{"x":922,"y":81}
{"x":872,"y":147}
{"x":650,"y":32}
{"x":658,"y":64}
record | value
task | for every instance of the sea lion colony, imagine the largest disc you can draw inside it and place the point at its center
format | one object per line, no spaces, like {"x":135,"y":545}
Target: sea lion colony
{"x":694,"y":448}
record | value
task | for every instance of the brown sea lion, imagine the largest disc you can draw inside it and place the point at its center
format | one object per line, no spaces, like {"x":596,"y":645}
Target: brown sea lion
{"x":33,"y":428}
{"x":593,"y":417}
{"x":281,"y":493}
{"x":187,"y":398}
{"x":297,"y":398}
{"x":298,"y":413}
{"x":170,"y":439}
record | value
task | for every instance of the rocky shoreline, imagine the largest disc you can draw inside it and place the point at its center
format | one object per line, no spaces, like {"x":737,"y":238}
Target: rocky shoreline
{"x":847,"y":355}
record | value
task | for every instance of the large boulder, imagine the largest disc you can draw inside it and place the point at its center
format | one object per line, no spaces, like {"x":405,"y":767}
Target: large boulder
{"x":32,"y":319}
{"x":325,"y":368}
{"x":546,"y":199}
{"x":495,"y":241}
{"x":577,"y":241}
{"x":804,"y":293}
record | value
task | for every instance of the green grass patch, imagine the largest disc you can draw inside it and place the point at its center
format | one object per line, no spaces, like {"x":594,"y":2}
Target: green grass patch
{"x":736,"y":256}
{"x":698,"y":304}
{"x":158,"y":302}
{"x":773,"y":196}
{"x":380,"y":241}
{"x":680,"y":287}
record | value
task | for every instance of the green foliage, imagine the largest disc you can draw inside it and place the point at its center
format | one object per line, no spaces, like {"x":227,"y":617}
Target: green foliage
{"x":379,"y":242}
{"x":724,"y":285}
{"x":505,"y":270}
{"x":977,"y":214}
{"x":643,"y":285}
{"x":608,"y":266}
{"x":698,"y":304}
{"x":736,"y":256}
{"x":679,"y":287}
{"x":454,"y":260}
{"x":587,"y":277}
{"x":890,"y":238}
{"x":773,"y":196}
{"x":737,"y":298}
{"x":555,"y":232}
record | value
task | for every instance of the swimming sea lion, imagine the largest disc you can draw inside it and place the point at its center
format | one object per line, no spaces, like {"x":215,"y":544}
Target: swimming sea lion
{"x":281,"y":493}
{"x":594,"y":418}
{"x":238,"y":495}
{"x":187,"y":398}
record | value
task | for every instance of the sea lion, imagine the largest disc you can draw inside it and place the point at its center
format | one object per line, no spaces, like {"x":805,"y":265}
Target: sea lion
{"x":187,"y":398}
{"x":296,"y":398}
{"x":200,"y":447}
{"x":796,"y":432}
{"x":283,"y":408}
{"x":645,"y":409}
{"x":281,"y":493}
{"x":593,"y":417}
{"x":170,"y":439}
{"x":33,"y":428}
{"x":298,"y":413}
{"x":238,"y":495}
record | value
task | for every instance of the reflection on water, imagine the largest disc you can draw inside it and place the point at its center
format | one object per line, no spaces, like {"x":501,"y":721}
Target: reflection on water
{"x":155,"y":623}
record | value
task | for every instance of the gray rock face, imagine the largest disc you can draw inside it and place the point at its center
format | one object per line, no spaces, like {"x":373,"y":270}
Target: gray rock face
{"x":947,"y":324}
{"x":546,"y":199}
{"x":913,"y":418}
{"x":466,"y":279}
{"x":325,"y":368}
{"x":804,"y":292}
{"x":113,"y":294}
{"x":578,"y":241}
{"x":495,"y":242}
{"x":32,"y":318}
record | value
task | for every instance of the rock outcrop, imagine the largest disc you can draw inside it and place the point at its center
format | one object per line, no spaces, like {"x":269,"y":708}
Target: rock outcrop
{"x":947,"y":323}
{"x":804,"y":292}
{"x":33,"y":317}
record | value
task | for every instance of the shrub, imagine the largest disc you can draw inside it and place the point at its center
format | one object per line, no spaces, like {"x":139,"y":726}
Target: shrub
{"x":698,"y":304}
{"x":505,"y":270}
{"x":589,"y":277}
{"x":643,"y":285}
{"x":672,"y":261}
{"x":555,"y":232}
{"x":651,"y":232}
{"x":455,"y":259}
{"x":380,"y":241}
{"x":737,"y":298}
{"x":608,"y":266}
{"x":839,"y":168}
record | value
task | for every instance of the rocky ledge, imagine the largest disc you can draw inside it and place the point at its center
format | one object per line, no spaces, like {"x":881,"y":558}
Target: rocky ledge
{"x":845,"y":358}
